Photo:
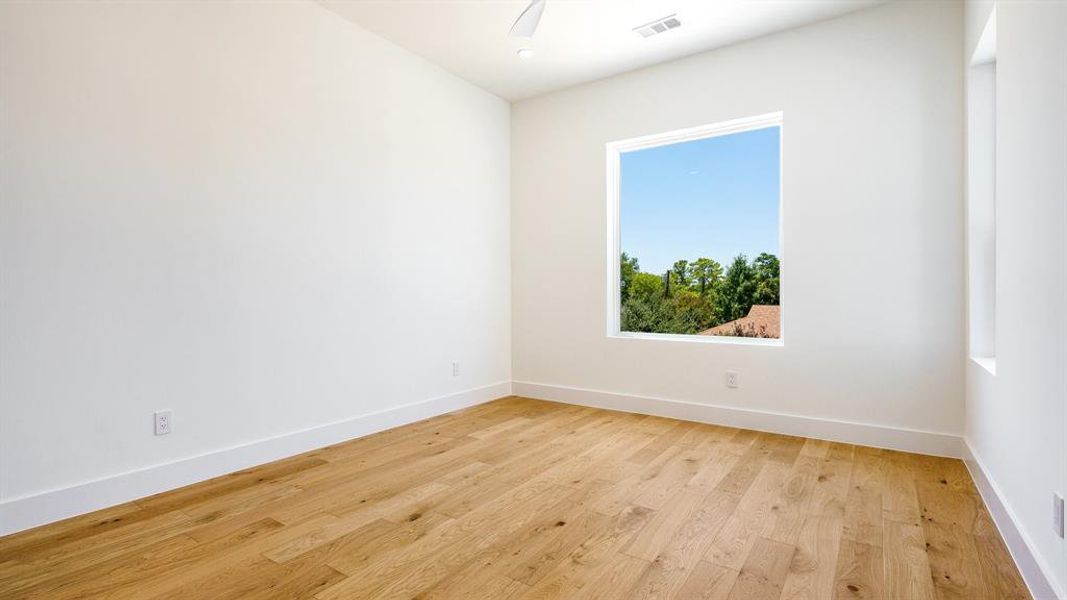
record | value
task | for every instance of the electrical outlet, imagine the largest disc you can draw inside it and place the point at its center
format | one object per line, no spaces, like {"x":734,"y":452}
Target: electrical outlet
{"x":455,"y":369}
{"x":732,"y":379}
{"x":1057,"y":514}
{"x":163,"y":422}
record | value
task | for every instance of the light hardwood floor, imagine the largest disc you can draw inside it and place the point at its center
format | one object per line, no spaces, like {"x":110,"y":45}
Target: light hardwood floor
{"x":526,"y":499}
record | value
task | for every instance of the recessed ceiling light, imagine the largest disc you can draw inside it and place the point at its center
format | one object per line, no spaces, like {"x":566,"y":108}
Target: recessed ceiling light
{"x":525,"y":53}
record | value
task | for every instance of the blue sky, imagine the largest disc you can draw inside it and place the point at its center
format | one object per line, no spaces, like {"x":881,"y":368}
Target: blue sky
{"x":716,"y":197}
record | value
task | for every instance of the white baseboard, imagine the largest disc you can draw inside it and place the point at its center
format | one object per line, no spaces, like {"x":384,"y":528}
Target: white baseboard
{"x":17,"y":514}
{"x":865,"y":434}
{"x":1035,"y":571}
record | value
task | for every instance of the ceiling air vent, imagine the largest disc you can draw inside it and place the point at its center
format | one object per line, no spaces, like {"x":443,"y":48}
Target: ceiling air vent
{"x":658,"y":26}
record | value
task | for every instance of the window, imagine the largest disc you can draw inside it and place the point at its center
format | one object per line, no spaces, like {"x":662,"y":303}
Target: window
{"x":981,"y":198}
{"x":694,"y":238}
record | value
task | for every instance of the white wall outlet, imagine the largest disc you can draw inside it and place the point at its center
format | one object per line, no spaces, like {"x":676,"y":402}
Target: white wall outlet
{"x":732,"y":380}
{"x":163,"y":422}
{"x":1057,"y":514}
{"x":455,"y":369}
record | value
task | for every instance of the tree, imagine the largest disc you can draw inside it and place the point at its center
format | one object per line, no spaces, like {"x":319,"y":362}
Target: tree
{"x":737,"y":291}
{"x":691,"y":313}
{"x":705,"y":274}
{"x":767,"y":272}
{"x":680,"y":271}
{"x":628,"y":268}
{"x":684,"y":312}
{"x":647,"y":314}
{"x":699,"y":297}
{"x":644,"y":285}
{"x":646,"y":309}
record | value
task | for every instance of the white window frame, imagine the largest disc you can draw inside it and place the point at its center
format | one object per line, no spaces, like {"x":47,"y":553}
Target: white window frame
{"x":614,"y":150}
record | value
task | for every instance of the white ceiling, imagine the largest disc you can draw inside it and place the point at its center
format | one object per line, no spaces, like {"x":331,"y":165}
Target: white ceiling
{"x":578,"y":40}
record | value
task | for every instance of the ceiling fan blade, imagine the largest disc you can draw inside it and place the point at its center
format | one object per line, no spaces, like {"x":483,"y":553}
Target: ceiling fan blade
{"x":526,"y":24}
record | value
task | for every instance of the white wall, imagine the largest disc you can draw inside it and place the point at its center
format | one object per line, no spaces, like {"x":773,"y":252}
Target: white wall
{"x":255,"y":214}
{"x":873,"y":240}
{"x":1015,"y":420}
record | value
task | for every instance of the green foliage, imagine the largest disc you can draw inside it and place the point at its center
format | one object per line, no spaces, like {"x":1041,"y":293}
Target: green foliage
{"x":680,"y":273}
{"x":628,"y":268}
{"x":691,"y":312}
{"x":768,"y":277}
{"x":738,"y":289}
{"x":645,"y":285}
{"x":646,"y":313}
{"x":700,"y":296}
{"x":705,"y":275}
{"x":683,"y":311}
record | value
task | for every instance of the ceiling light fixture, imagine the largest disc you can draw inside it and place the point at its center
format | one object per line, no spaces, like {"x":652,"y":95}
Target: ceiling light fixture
{"x":525,"y":53}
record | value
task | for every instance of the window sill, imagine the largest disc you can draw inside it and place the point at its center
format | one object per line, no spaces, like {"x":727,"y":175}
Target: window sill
{"x":989,"y":363}
{"x":700,"y":339}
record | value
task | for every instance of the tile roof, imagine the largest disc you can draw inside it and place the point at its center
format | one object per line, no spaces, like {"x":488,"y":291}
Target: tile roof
{"x":762,"y":320}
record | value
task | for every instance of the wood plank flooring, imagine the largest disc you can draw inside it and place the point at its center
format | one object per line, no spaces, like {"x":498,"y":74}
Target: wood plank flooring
{"x":521,"y":499}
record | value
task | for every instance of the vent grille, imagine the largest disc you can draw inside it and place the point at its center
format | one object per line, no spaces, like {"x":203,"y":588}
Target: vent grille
{"x":658,"y":26}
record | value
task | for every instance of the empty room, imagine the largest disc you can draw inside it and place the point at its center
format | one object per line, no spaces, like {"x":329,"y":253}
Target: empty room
{"x":515,"y":299}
